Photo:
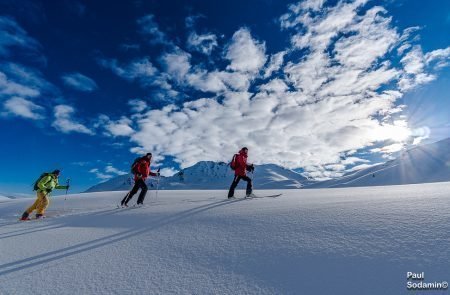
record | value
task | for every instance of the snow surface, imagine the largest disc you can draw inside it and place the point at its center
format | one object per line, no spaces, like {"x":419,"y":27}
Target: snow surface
{"x":212,"y":175}
{"x":4,"y":198}
{"x":321,"y":241}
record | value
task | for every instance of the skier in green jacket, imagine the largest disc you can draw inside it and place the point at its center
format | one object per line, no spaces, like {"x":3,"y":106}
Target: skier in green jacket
{"x":44,"y":186}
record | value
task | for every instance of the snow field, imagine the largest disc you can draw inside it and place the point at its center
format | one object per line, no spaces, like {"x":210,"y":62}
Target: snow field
{"x":318,"y":241}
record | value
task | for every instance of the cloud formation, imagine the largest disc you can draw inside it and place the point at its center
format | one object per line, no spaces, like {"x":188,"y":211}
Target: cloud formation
{"x":13,"y":36}
{"x":79,"y":82}
{"x":332,"y":92}
{"x":23,"y":108}
{"x":65,"y":123}
{"x":121,"y":127}
{"x":245,"y":53}
{"x":108,"y":172}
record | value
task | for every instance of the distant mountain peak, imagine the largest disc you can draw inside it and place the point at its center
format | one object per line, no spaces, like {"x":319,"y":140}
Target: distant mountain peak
{"x":213,"y":175}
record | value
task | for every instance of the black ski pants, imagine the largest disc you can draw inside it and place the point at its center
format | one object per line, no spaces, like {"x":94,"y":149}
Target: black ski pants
{"x":139,"y":184}
{"x":236,"y":180}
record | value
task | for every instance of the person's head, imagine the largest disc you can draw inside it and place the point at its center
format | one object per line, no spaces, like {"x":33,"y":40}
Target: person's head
{"x":148,"y":156}
{"x":245,"y":150}
{"x":56,"y":172}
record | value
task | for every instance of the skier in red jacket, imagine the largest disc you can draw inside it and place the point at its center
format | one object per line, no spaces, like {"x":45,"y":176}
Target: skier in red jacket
{"x":141,"y":170}
{"x":239,"y":164}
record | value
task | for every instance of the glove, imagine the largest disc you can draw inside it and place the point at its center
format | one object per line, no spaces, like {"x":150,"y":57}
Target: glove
{"x":48,"y":191}
{"x":158,"y":174}
{"x":252,"y":168}
{"x":138,"y":175}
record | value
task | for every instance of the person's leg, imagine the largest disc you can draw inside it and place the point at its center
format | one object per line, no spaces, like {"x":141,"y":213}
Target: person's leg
{"x":144,"y":190}
{"x":249,"y":185}
{"x":42,"y":206}
{"x":124,"y":199}
{"x":133,"y":192}
{"x":31,"y":208}
{"x":233,"y":186}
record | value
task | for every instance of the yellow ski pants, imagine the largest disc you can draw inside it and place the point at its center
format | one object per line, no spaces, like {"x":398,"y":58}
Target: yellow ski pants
{"x":40,"y":204}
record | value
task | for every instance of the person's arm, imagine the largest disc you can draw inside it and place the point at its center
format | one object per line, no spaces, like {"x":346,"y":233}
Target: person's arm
{"x":62,"y":187}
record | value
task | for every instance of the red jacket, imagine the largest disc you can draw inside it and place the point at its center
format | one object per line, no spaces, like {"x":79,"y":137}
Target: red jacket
{"x":241,"y":164}
{"x":143,"y":168}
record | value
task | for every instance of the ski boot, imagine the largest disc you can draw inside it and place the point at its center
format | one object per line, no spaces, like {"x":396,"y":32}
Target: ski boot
{"x":250,"y":195}
{"x":25,"y":216}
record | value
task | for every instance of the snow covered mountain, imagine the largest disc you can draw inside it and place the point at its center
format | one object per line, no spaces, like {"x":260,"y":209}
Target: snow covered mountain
{"x":212,"y":175}
{"x":421,"y":164}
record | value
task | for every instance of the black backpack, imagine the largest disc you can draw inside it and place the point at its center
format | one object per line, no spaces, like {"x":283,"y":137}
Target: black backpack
{"x":134,"y":166}
{"x":35,"y":185}
{"x":233,"y":163}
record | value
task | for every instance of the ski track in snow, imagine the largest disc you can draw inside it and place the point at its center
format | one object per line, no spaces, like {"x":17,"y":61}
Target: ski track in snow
{"x":318,"y":241}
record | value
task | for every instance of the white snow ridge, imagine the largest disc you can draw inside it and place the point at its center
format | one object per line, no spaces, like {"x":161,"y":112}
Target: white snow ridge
{"x":321,"y":241}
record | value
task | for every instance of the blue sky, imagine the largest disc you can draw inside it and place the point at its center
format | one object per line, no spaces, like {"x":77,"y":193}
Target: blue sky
{"x":320,"y":86}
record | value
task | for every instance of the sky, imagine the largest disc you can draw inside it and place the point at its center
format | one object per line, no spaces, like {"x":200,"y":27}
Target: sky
{"x":322,"y":87}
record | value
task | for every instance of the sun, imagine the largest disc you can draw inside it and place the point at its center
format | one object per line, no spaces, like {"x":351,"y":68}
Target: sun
{"x":398,"y":132}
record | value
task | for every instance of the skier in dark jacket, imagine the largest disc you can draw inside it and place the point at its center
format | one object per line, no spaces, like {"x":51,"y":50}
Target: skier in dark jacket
{"x":141,"y":169}
{"x":240,"y":172}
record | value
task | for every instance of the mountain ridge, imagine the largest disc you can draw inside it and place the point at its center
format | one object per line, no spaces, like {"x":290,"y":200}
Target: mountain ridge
{"x":420,"y":164}
{"x":211,"y":175}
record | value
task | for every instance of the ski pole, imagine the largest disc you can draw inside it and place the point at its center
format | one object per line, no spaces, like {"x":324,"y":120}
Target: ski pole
{"x":130,"y":182}
{"x":157,"y":184}
{"x":253,"y":176}
{"x":65,"y":197}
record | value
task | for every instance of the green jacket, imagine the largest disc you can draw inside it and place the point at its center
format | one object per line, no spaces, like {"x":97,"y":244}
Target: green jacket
{"x":49,"y":183}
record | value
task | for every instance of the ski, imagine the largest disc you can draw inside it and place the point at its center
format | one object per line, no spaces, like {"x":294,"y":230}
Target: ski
{"x":136,"y":206}
{"x":266,"y":196}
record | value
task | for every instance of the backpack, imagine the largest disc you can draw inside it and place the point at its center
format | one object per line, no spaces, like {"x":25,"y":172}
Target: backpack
{"x":233,"y":163}
{"x":35,"y":185}
{"x":134,"y":166}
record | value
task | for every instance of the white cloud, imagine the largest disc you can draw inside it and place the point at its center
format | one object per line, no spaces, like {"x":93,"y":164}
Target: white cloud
{"x":19,"y":80}
{"x":441,"y":56}
{"x":21,"y":107}
{"x":100,"y":175}
{"x":12,"y":36}
{"x":150,"y":29}
{"x":389,"y":149}
{"x":353,"y":161}
{"x":65,"y":123}
{"x":167,"y":172}
{"x":147,"y":75}
{"x":204,"y":43}
{"x":362,"y":166}
{"x":245,"y":53}
{"x":111,"y":169}
{"x":137,"y":105}
{"x":9,"y":87}
{"x":177,"y":64}
{"x":79,"y":82}
{"x":206,"y":81}
{"x":140,"y":69}
{"x":275,"y":63}
{"x":121,"y":127}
